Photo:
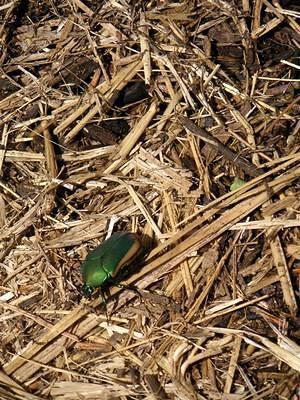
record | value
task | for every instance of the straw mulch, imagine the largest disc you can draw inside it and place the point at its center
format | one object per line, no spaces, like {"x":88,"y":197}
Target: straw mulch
{"x":139,"y":116}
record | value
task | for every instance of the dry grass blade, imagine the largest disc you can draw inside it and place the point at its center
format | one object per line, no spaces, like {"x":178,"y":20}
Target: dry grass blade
{"x":142,"y":117}
{"x":283,"y":273}
{"x":215,"y":143}
{"x":14,"y":390}
{"x":131,"y":139}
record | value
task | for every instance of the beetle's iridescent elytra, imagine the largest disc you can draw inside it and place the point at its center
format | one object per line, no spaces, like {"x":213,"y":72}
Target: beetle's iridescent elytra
{"x":105,"y":261}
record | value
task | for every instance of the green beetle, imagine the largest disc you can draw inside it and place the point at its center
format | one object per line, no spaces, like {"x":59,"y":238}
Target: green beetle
{"x":105,"y":261}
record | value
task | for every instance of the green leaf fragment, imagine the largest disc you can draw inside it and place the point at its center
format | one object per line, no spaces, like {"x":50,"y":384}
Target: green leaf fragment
{"x":237,"y":183}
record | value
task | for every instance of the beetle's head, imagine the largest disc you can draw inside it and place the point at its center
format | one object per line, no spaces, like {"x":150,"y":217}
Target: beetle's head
{"x":87,"y":290}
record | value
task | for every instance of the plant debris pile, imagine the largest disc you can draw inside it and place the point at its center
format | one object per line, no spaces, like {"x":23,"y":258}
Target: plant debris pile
{"x":175,"y":120}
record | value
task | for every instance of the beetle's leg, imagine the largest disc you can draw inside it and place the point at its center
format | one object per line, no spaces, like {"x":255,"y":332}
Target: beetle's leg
{"x":105,"y":303}
{"x":133,"y":289}
{"x":167,"y":301}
